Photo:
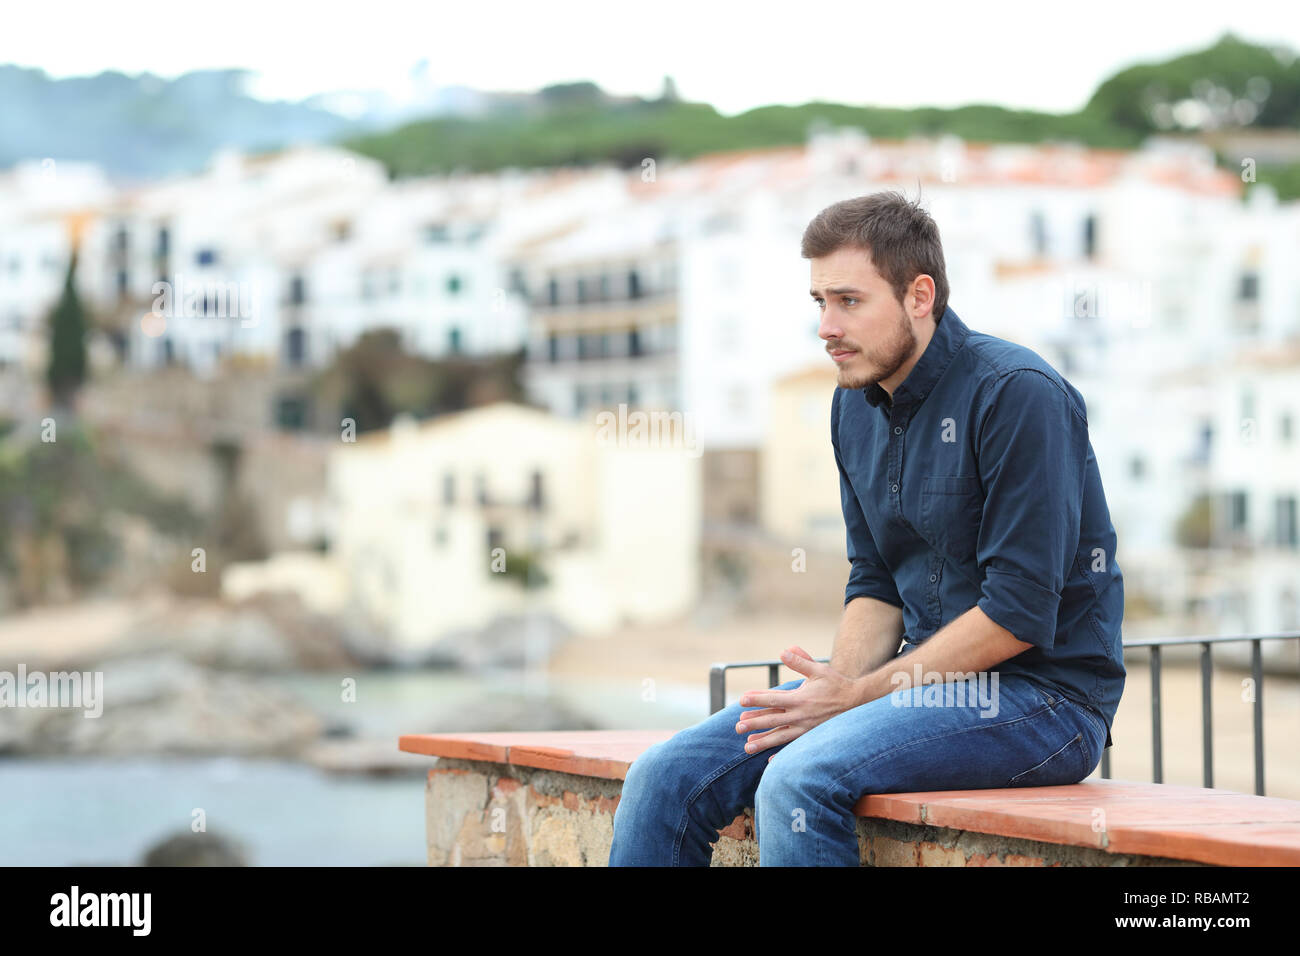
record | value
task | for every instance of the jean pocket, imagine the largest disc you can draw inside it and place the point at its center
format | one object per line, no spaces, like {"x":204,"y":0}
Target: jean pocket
{"x":1098,"y":724}
{"x":1067,"y":765}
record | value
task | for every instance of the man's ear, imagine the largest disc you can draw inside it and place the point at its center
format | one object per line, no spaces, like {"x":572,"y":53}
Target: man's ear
{"x":923,"y":294}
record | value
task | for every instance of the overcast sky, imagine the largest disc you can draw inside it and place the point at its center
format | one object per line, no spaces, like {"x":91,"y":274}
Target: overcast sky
{"x":733,"y":55}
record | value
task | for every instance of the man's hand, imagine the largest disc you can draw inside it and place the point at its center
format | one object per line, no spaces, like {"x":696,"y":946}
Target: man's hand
{"x":788,"y":713}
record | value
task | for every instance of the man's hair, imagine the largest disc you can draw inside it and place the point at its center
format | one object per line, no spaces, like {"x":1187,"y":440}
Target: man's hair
{"x":901,"y":238}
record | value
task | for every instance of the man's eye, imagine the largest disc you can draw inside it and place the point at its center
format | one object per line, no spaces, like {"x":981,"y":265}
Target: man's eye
{"x":820,"y":303}
{"x":849,"y":300}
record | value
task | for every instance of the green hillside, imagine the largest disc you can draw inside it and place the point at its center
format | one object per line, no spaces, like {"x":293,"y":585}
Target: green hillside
{"x":1230,"y":84}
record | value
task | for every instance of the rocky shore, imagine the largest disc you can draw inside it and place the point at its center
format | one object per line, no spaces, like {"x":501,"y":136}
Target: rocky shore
{"x":196,"y":677}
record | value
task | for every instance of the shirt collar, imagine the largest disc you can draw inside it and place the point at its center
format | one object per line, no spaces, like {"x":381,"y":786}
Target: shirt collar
{"x":950,"y":334}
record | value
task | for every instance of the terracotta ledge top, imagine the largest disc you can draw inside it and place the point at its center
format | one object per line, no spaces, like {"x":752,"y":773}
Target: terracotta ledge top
{"x":1219,"y":827}
{"x":588,"y":753}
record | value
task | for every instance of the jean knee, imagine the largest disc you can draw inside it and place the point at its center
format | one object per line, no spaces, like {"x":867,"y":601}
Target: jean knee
{"x":781,"y":780}
{"x":642,"y":770}
{"x":656,"y":772}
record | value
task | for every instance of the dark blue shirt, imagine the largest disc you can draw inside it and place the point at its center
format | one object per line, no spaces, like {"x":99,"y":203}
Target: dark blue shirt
{"x":977,"y":485}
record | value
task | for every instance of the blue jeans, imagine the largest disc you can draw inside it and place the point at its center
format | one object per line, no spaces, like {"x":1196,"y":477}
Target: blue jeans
{"x":679,"y":793}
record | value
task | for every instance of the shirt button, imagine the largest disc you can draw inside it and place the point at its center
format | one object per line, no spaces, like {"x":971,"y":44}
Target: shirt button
{"x":893,"y":487}
{"x":934,"y":577}
{"x":898,"y":429}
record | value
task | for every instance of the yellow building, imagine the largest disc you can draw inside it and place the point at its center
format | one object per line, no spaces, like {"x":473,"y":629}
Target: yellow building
{"x":800,"y":491}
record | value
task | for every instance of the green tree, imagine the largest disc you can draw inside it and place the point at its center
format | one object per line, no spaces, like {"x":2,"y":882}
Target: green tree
{"x":67,"y":366}
{"x":374,"y":379}
{"x":1224,"y":79}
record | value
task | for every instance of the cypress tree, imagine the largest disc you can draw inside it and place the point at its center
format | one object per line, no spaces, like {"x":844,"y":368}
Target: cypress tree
{"x":67,"y":367}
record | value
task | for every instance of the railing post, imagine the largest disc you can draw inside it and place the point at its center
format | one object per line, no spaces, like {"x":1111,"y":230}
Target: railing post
{"x":1257,"y":675}
{"x":1207,"y":717}
{"x":717,"y":688}
{"x":1157,"y":727}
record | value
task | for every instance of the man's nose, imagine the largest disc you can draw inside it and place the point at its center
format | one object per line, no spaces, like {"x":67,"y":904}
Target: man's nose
{"x":828,"y":327}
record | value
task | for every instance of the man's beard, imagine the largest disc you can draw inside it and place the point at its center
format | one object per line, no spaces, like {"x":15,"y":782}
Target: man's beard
{"x":884,"y":360}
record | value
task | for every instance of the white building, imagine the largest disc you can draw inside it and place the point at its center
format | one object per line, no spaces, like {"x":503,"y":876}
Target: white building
{"x":428,"y":519}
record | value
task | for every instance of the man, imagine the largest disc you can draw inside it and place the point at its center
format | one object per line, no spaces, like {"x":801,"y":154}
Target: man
{"x":978,"y":535}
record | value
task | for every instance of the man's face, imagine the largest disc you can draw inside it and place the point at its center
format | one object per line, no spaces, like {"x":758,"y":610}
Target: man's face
{"x":867,"y":331}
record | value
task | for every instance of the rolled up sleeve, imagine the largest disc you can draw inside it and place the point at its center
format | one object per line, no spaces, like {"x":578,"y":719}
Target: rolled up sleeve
{"x":1032,"y":449}
{"x":868,"y":575}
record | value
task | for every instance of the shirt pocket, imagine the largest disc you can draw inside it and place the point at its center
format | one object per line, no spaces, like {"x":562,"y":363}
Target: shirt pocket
{"x":952,"y":507}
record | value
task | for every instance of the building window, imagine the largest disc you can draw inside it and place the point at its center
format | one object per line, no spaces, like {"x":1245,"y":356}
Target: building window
{"x":582,"y":291}
{"x":1237,"y":513}
{"x":553,"y":292}
{"x":1038,"y":233}
{"x":206,"y":257}
{"x":291,"y":413}
{"x":634,"y":342}
{"x":537,"y":497}
{"x":453,"y":340}
{"x":1205,"y":441}
{"x":553,"y":347}
{"x":1284,"y":427}
{"x":1285,"y":521}
{"x":296,"y":346}
{"x":164,"y":241}
{"x":480,"y":489}
{"x":449,"y":489}
{"x":453,"y":284}
{"x":633,"y":284}
{"x":435,"y":233}
{"x":494,"y":539}
{"x":1248,"y":287}
{"x":297,"y":290}
{"x":1090,"y":237}
{"x":1136,"y":467}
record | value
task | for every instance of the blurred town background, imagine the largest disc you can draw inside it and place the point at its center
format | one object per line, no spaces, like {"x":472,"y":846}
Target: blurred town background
{"x":322,"y":432}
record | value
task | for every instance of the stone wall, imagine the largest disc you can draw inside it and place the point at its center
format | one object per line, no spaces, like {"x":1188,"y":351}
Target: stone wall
{"x":490,"y":814}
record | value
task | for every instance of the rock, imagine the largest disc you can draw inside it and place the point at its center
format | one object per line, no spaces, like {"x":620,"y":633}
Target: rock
{"x":497,"y":712}
{"x":264,"y":634}
{"x":510,"y":641}
{"x":196,"y":849}
{"x":235,"y":639}
{"x":165,"y":704}
{"x":376,"y":757}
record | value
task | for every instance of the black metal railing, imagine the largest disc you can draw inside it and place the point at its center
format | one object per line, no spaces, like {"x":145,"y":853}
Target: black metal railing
{"x":718,"y":694}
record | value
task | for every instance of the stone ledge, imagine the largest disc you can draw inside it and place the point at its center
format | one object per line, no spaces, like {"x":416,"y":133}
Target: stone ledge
{"x":547,"y":799}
